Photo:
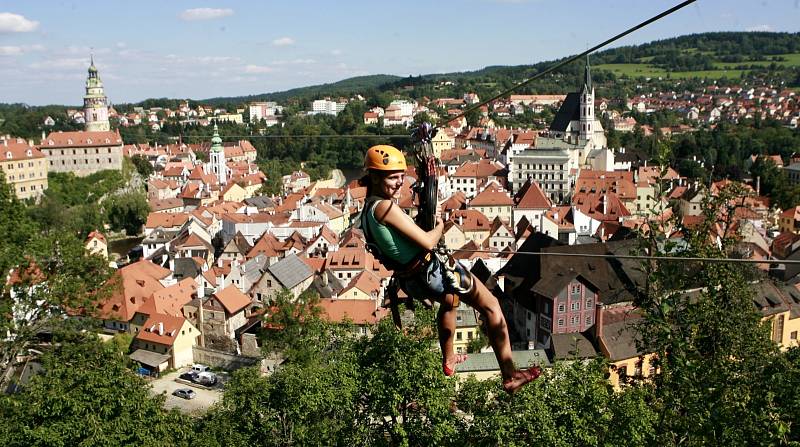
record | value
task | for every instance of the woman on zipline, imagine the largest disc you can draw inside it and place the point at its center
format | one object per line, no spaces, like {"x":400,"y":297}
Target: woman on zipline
{"x":420,"y":273}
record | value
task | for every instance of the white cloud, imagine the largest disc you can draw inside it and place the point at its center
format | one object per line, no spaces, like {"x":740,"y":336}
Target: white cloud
{"x":65,"y":63}
{"x":10,"y":50}
{"x":283,"y":41}
{"x":14,"y":50}
{"x":759,"y":28}
{"x":205,"y":14}
{"x":15,"y":23}
{"x":258,"y":69}
{"x":295,"y":62}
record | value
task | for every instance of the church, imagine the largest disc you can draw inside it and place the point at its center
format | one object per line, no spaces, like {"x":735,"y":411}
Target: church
{"x":576,"y":121}
{"x":575,"y":140}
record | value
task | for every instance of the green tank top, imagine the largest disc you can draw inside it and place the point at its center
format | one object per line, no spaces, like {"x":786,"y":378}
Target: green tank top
{"x":391,"y":242}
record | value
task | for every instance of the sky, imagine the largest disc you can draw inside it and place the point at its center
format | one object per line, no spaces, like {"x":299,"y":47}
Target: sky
{"x":201,"y":49}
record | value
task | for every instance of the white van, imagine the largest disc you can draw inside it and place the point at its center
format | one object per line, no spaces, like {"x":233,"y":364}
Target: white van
{"x":197,"y":367}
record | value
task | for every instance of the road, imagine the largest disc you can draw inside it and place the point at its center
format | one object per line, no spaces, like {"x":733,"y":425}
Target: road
{"x":205,"y":398}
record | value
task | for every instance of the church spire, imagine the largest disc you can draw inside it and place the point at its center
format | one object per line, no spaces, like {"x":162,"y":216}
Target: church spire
{"x":587,"y":76}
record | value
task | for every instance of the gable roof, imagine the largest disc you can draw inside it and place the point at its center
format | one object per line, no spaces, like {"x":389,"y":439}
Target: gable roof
{"x":491,"y":196}
{"x":290,"y":271}
{"x":131,"y":286}
{"x":531,"y":196}
{"x":232,"y":299}
{"x":568,"y":112}
{"x":358,"y":311}
{"x":162,"y":329}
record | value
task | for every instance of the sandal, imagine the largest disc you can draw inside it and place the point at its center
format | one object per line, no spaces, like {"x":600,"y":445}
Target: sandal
{"x":520,"y":378}
{"x":458,"y":359}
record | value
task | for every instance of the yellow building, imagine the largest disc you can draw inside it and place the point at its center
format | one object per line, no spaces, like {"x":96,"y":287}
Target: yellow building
{"x":165,"y":342}
{"x":467,"y":329}
{"x":25,"y":167}
{"x":617,"y":343}
{"x":443,"y":140}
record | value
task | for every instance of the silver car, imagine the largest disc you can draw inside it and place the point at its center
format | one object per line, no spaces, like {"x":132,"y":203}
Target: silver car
{"x":185,"y":393}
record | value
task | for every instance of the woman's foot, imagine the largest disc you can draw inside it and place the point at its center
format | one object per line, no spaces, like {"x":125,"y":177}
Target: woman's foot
{"x":449,"y":367}
{"x":520,"y":378}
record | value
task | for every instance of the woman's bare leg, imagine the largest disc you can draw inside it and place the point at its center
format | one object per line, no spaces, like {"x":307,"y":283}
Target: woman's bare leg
{"x":487,"y":305}
{"x":446,"y":323}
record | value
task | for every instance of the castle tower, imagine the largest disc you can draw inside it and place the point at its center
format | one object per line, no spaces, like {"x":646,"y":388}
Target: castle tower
{"x":217,"y":156}
{"x":95,"y":103}
{"x":586,"y":129}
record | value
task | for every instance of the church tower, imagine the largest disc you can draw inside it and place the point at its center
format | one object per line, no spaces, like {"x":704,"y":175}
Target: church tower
{"x":217,"y":156}
{"x":95,"y":103}
{"x":586,"y":130}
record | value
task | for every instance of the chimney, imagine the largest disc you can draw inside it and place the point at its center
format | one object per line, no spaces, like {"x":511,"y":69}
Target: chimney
{"x":460,"y":220}
{"x":160,"y":328}
{"x":598,"y":321}
{"x":604,"y":198}
{"x":758,"y":185}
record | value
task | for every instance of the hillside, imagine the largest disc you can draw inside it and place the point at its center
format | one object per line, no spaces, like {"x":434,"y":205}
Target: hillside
{"x":708,"y":55}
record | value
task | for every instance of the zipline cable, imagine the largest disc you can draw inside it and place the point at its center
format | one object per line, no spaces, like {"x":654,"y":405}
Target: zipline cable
{"x":571,"y":59}
{"x":636,"y":257}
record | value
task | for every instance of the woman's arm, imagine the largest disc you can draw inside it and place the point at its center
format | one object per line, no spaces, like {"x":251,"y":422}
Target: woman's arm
{"x":388,"y":214}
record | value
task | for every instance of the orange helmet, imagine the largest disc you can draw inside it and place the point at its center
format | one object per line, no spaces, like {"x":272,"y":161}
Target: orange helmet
{"x":385,"y":158}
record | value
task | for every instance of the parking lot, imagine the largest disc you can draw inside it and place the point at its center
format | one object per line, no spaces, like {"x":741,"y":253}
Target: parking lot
{"x":204,"y":397}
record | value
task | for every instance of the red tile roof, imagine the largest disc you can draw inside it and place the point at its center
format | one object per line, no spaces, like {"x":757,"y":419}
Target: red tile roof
{"x":531,"y":196}
{"x":232,"y":299}
{"x":17,"y":149}
{"x":492,"y":196}
{"x":161,"y":329}
{"x":81,"y":139}
{"x":357,"y":311}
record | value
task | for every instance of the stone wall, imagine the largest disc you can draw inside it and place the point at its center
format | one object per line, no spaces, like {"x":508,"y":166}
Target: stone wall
{"x":222,"y":360}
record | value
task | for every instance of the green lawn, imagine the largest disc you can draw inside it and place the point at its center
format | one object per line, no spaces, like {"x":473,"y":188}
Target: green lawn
{"x":723,"y":69}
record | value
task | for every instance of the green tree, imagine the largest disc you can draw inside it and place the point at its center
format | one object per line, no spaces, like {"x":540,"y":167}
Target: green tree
{"x":715,"y":383}
{"x":86,"y":395}
{"x":143,"y":167}
{"x":127,"y":212}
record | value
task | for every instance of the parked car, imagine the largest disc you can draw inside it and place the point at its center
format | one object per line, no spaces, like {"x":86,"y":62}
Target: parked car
{"x":190,"y":376}
{"x":206,"y":378}
{"x":197,"y":367}
{"x":185,"y":393}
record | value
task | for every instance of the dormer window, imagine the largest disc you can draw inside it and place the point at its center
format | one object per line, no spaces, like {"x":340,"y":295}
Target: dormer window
{"x":50,"y":142}
{"x":69,"y":141}
{"x":8,"y":155}
{"x":88,"y":141}
{"x":29,"y":153}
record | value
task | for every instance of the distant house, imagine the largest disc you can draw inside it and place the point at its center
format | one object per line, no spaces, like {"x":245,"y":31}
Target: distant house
{"x":289,"y":273}
{"x":224,"y":312}
{"x":96,"y":244}
{"x":164,"y":342}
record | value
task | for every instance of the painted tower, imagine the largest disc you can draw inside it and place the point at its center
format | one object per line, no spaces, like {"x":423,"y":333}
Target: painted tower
{"x":217,"y":157}
{"x":586,"y":130}
{"x":95,"y":103}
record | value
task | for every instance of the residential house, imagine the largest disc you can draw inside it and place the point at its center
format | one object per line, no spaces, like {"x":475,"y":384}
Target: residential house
{"x":96,"y":244}
{"x":164,"y":342}
{"x":531,"y":203}
{"x":493,"y":202}
{"x":25,"y":167}
{"x":290,"y":273}
{"x":474,"y":224}
{"x":130,"y":287}
{"x":224,"y":312}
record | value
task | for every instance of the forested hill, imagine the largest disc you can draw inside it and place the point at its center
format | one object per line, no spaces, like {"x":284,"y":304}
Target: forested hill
{"x":712,"y":55}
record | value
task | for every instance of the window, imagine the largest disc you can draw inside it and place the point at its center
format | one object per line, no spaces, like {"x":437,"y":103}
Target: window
{"x":529,"y":315}
{"x":638,"y":370}
{"x":561,"y":308}
{"x":269,"y":282}
{"x":588,"y":320}
{"x":458,"y":336}
{"x":588,"y":303}
{"x":623,"y":371}
{"x":560,"y":322}
{"x":793,"y":335}
{"x":576,"y":305}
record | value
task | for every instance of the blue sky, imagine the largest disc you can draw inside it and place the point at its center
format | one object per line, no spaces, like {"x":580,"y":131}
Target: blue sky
{"x":199,"y":49}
